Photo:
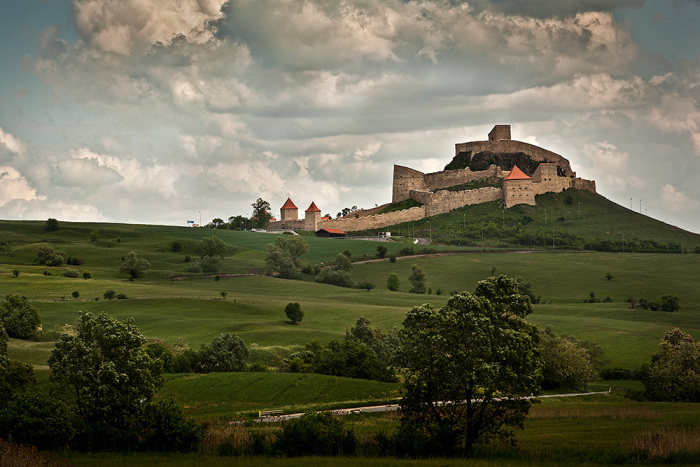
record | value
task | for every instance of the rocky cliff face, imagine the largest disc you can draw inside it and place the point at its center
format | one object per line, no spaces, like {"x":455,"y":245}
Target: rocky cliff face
{"x":483,"y":159}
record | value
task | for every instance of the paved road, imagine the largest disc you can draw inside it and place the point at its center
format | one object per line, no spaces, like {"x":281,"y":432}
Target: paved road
{"x":393,"y":407}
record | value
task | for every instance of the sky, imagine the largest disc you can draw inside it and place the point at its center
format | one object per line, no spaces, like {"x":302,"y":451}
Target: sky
{"x":160,"y":112}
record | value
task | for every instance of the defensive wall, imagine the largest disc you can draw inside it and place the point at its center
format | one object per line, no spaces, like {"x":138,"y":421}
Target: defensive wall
{"x":376,"y":221}
{"x":407,"y":179}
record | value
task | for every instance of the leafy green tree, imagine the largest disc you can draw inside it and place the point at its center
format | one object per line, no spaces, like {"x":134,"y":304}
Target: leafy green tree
{"x":393,"y":282}
{"x":134,"y":266}
{"x":51,"y":224}
{"x":566,"y":364}
{"x":670,"y":303}
{"x":19,"y":317}
{"x":211,"y":263}
{"x":384,"y":344}
{"x":211,"y":246}
{"x":351,"y":359}
{"x":226,"y":353}
{"x":261,"y":216}
{"x":108,"y":377}
{"x":468,"y":365}
{"x":674,"y":371}
{"x":46,"y":254}
{"x":94,"y":235}
{"x":176,"y":246}
{"x":284,"y":256}
{"x":109,"y":295}
{"x":417,"y":279}
{"x":294,"y":312}
{"x":382,"y":251}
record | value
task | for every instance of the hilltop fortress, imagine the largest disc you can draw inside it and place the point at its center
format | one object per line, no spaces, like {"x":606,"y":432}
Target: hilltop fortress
{"x":499,"y":169}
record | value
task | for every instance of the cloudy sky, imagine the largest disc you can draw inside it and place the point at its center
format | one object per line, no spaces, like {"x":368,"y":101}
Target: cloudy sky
{"x":156,"y":110}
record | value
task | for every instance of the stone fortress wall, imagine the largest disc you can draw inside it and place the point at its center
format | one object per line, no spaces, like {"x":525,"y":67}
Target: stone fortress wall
{"x":553,"y":174}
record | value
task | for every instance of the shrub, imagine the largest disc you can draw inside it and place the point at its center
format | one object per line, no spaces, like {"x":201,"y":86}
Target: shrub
{"x":121,"y":296}
{"x":75,"y":294}
{"x":366,"y":284}
{"x":72,"y":273}
{"x":176,"y":246}
{"x":316,"y":434}
{"x":328,"y":275}
{"x":393,"y":282}
{"x":86,"y":275}
{"x":294,"y":312}
{"x":15,"y":272}
{"x":616,"y":373}
{"x":392,"y":258}
{"x":417,"y":279}
{"x":382,"y":251}
{"x":211,"y":263}
{"x":19,"y":317}
{"x":109,"y":295}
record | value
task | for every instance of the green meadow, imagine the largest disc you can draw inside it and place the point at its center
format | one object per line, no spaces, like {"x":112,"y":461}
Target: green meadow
{"x":169,"y":305}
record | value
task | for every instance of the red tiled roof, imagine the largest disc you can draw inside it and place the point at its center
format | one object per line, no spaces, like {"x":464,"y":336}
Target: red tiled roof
{"x":289,"y":204}
{"x":335,"y":231}
{"x":516,"y":174}
{"x":313,"y":208}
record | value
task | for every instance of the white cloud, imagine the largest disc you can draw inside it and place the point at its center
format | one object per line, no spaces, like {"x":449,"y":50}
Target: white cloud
{"x":11,"y":143}
{"x":126,"y":26}
{"x":13,"y":186}
{"x":677,"y":201}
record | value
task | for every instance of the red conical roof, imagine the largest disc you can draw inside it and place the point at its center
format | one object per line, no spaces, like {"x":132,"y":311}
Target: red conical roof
{"x":289,"y":204}
{"x":313,"y":208}
{"x":516,"y":174}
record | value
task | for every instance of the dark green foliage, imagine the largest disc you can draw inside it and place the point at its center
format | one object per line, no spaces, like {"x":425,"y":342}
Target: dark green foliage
{"x":331,"y":276}
{"x":400,"y":206}
{"x":36,"y":420}
{"x":385,"y":345}
{"x":417,"y":279}
{"x":86,"y":275}
{"x":134,"y":266}
{"x":366,"y":284}
{"x":210,"y":263}
{"x":19,"y":317}
{"x":353,"y":360}
{"x":15,"y":377}
{"x":109,"y":295}
{"x":616,"y":374}
{"x":294,"y":312}
{"x":487,"y":372}
{"x":382,"y":251}
{"x":226,"y":353}
{"x":15,"y":272}
{"x":525,"y":288}
{"x":108,"y":378}
{"x":165,"y":428}
{"x":674,"y":371}
{"x":316,"y":434}
{"x":261,"y":216}
{"x":75,"y":294}
{"x":670,"y":303}
{"x":176,"y":246}
{"x":51,"y":225}
{"x":609,"y":276}
{"x":160,"y":352}
{"x":284,"y":256}
{"x":392,"y":258}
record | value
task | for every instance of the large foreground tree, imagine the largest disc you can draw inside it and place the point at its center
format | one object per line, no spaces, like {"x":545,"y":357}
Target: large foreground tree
{"x":674,"y":372}
{"x":108,"y":377}
{"x":469,"y":364}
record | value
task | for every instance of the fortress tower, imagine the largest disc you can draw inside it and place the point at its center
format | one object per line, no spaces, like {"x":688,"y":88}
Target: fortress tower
{"x":289,"y":212}
{"x":517,"y":188}
{"x":499,"y":132}
{"x":313,"y":217}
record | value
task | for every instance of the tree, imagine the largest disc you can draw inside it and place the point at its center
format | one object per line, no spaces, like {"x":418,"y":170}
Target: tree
{"x":674,"y":371}
{"x":468,"y":365}
{"x":45,"y":254}
{"x":227,"y":352}
{"x":417,"y":279}
{"x":51,"y":224}
{"x":566,"y":364}
{"x":382,"y":251}
{"x":108,"y":377}
{"x":393,"y":282}
{"x":211,"y":246}
{"x":19,"y":317}
{"x":261,"y":216}
{"x":134,"y":266}
{"x":670,"y":303}
{"x":294,"y":312}
{"x":109,"y":295}
{"x":284,"y":256}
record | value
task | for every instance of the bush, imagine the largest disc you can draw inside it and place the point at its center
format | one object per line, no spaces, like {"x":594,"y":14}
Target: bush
{"x":316,"y":434}
{"x":15,"y":272}
{"x":72,"y":273}
{"x":392,"y":258}
{"x":366,"y":284}
{"x":294,"y":312}
{"x":341,"y":278}
{"x":616,"y":373}
{"x":211,"y":263}
{"x":382,"y":251}
{"x":75,"y":294}
{"x":109,"y":295}
{"x":176,"y":246}
{"x":417,"y":279}
{"x":19,"y":317}
{"x":393,"y":282}
{"x":86,"y":275}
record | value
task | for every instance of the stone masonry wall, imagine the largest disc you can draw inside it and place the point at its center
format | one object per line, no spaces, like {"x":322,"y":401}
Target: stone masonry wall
{"x":376,"y":221}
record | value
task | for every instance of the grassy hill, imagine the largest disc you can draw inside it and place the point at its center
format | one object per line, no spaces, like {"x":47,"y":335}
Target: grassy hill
{"x":169,"y":303}
{"x":573,"y":219}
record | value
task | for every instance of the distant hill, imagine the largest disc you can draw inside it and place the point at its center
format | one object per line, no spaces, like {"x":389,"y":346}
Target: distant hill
{"x":573,"y":219}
